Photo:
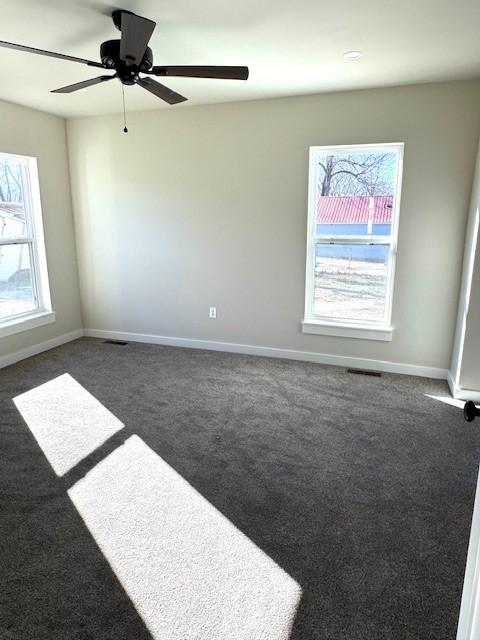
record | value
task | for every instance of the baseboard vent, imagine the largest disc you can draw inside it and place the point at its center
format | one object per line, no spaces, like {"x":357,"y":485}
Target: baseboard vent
{"x":365,"y":372}
{"x":119,"y":343}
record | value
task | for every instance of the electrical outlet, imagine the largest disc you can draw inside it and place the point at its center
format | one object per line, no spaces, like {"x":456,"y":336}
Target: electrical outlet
{"x":212,"y":312}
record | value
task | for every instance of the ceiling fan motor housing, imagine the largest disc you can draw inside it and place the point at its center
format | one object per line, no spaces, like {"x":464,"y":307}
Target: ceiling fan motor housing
{"x":110,"y":57}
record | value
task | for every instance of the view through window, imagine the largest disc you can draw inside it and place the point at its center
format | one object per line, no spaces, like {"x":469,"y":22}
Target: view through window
{"x":20,"y":286}
{"x":353,"y":217}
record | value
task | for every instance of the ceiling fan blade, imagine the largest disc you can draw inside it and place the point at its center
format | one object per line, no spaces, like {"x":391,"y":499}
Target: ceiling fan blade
{"x":50,"y":54}
{"x":83,"y":85}
{"x":136,"y":33}
{"x":226,"y":73}
{"x":161,"y":91}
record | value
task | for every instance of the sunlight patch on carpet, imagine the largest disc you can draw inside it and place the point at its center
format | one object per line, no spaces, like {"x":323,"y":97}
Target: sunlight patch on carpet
{"x":448,"y":400}
{"x":189,"y":571}
{"x":66,"y":420}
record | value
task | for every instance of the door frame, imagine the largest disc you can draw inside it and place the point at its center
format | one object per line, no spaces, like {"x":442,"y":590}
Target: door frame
{"x":469,"y":620}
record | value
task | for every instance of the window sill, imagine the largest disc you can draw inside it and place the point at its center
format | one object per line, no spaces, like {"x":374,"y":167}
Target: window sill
{"x":24,"y":323}
{"x":359,"y":331}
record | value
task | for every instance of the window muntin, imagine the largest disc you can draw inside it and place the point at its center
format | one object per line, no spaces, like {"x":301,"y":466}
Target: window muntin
{"x":23,"y":275}
{"x":352,"y":231}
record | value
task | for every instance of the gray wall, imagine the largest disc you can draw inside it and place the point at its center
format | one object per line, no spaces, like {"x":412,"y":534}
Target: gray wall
{"x":207,"y":206}
{"x":33,"y":133}
{"x":465,"y":369}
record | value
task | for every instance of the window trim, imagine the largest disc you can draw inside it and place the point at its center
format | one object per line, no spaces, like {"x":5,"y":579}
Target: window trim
{"x":348,"y":330}
{"x":325,"y":325}
{"x":25,"y":322}
{"x":35,"y":239}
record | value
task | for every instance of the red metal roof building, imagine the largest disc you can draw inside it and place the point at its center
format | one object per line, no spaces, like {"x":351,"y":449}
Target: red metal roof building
{"x":354,"y":210}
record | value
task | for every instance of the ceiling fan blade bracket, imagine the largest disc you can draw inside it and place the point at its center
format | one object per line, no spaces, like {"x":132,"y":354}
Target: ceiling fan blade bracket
{"x":97,"y":65}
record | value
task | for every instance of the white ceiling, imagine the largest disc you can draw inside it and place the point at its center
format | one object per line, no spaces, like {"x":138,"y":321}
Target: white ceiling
{"x":291,"y":46}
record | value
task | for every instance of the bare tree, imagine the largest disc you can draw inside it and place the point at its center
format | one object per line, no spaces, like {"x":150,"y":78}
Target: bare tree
{"x":10,"y":182}
{"x":359,"y":174}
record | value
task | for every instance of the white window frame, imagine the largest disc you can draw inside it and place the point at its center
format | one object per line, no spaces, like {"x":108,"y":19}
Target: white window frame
{"x":350,"y":328}
{"x":43,"y":313}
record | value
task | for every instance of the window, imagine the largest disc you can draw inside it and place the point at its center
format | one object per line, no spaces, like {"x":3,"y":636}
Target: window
{"x":354,"y":195}
{"x":24,"y":292}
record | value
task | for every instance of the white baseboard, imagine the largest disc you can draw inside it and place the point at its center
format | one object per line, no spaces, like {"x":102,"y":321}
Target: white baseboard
{"x":253,"y":350}
{"x":11,"y":358}
{"x":272,"y":352}
{"x":451,"y":384}
{"x":462,"y":394}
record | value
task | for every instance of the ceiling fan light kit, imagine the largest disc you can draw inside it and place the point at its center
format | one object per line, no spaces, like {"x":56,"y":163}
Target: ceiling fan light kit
{"x":131,"y":56}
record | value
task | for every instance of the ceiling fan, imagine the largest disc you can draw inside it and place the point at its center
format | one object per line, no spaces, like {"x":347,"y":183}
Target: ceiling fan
{"x":130,"y":56}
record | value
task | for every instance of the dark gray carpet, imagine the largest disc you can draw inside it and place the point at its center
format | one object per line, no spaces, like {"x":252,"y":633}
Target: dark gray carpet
{"x":360,"y":488}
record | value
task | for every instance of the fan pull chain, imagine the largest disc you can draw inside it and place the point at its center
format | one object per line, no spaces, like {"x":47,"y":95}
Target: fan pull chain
{"x":125,"y":130}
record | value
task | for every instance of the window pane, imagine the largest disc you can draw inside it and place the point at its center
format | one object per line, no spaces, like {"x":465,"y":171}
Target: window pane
{"x":16,"y":280}
{"x":355,"y":192}
{"x":350,"y":281}
{"x":12,"y":211}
